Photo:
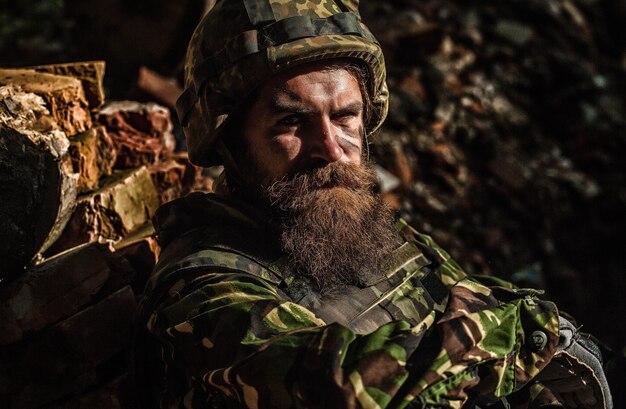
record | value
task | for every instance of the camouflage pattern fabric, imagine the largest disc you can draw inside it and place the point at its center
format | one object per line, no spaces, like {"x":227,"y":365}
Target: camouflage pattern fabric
{"x":232,"y":335}
{"x":543,"y":397}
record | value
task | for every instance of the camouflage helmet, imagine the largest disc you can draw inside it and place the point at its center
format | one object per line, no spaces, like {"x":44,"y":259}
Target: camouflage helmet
{"x":240,"y":43}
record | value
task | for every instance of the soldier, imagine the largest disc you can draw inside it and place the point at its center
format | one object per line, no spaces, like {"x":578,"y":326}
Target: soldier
{"x":291,"y":286}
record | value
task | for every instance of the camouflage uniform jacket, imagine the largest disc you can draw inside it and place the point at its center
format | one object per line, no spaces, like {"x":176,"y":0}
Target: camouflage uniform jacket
{"x":235,"y":329}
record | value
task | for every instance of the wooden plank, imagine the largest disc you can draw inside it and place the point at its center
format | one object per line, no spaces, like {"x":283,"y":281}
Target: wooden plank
{"x":168,"y":177}
{"x":90,"y":73}
{"x":127,"y":200}
{"x":113,"y":395}
{"x":93,"y":156}
{"x":197,"y":178}
{"x":142,"y":251}
{"x":64,"y":96}
{"x":37,"y":182}
{"x":64,"y":359}
{"x":142,"y":133}
{"x":60,"y":287}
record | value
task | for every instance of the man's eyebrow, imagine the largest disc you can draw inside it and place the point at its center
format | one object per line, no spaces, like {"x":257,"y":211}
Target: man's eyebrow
{"x":280,"y":105}
{"x":287,"y":101}
{"x":356,"y":106}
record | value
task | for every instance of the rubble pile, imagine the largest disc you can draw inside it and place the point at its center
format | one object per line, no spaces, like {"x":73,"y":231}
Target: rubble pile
{"x":79,"y":184}
{"x":506,"y":129}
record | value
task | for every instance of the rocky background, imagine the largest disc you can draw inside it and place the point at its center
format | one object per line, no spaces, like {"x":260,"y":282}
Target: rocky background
{"x":505,"y":140}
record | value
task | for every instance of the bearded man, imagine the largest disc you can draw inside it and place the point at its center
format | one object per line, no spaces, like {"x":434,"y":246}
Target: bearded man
{"x":292,"y":286}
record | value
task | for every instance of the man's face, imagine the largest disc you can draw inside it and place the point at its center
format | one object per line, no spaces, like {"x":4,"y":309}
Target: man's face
{"x":303,"y":137}
{"x":304,"y":119}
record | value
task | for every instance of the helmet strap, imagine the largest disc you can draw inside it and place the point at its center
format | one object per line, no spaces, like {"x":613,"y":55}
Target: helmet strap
{"x":233,"y":174}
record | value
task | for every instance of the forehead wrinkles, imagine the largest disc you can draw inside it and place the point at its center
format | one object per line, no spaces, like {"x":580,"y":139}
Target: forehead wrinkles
{"x":322,"y":87}
{"x":283,"y":92}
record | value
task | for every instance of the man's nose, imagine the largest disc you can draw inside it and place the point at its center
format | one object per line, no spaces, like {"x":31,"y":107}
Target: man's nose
{"x":323,"y":142}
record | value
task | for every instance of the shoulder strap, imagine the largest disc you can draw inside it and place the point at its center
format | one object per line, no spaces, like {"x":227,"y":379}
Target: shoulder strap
{"x":409,"y":263}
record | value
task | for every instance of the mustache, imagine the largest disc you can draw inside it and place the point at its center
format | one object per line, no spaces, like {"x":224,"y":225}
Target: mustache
{"x":349,"y":176}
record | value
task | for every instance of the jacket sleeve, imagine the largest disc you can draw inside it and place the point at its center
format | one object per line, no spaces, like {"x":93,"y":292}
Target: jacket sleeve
{"x":236,"y":335}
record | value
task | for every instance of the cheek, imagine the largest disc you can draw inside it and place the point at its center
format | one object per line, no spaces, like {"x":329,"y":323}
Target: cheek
{"x":286,"y":147}
{"x":351,"y":140}
{"x":278,"y":155}
{"x":352,"y":154}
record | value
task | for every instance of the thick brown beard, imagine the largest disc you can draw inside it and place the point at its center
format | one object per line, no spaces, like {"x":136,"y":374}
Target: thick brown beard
{"x":334,"y":228}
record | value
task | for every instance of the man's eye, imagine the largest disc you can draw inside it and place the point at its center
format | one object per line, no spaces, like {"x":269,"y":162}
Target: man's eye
{"x":290,"y":120}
